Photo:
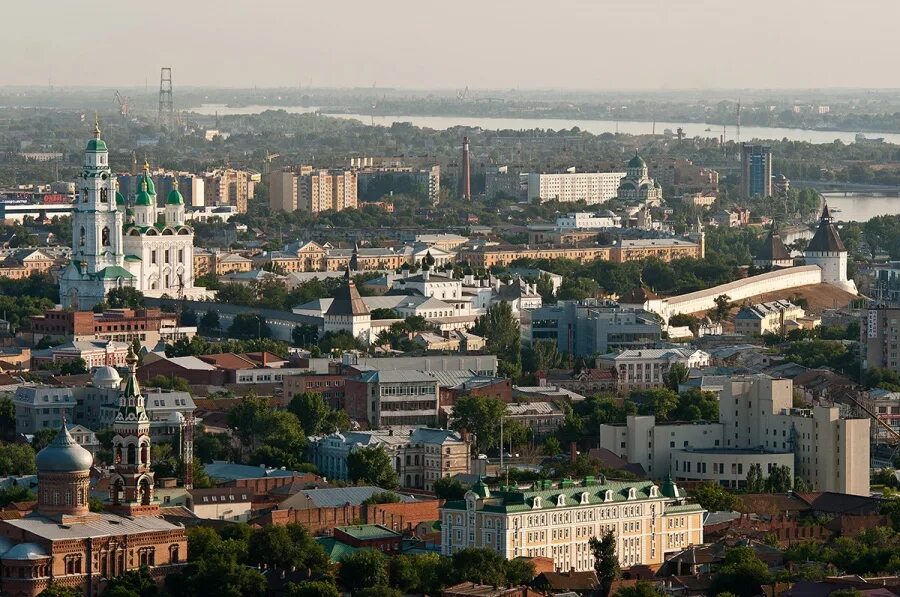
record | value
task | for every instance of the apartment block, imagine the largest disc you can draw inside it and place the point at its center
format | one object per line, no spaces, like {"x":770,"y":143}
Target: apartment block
{"x":566,"y":187}
{"x":312,"y":190}
{"x":386,"y":398}
{"x":757,"y":425}
{"x":228,"y":186}
{"x":557,"y":519}
{"x":881,"y":339}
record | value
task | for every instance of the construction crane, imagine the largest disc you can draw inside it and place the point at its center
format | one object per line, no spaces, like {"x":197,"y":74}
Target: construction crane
{"x":268,"y":160}
{"x":461,"y":95}
{"x":124,"y":102}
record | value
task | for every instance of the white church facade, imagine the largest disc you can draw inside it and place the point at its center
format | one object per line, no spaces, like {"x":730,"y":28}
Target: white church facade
{"x":114,"y":246}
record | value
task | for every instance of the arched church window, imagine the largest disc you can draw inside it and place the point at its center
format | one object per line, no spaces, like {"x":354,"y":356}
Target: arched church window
{"x":81,"y":237}
{"x":132,"y":454}
{"x":105,"y":237}
{"x":144,"y":454}
{"x":119,"y":455}
{"x":104,"y":196}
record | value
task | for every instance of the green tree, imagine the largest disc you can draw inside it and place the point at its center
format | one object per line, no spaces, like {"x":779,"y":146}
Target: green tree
{"x":723,"y":306}
{"x":606,"y":562}
{"x":696,"y":405}
{"x":16,"y":459}
{"x":249,"y":325}
{"x":678,"y":374}
{"x":449,"y":488}
{"x":404,"y":574}
{"x":518,"y":572}
{"x":479,"y":565}
{"x":136,"y":583}
{"x":363,"y":569}
{"x":42,"y":438}
{"x":379,"y":591}
{"x":165,"y":382}
{"x":125,"y":297}
{"x":780,"y":480}
{"x":304,"y":335}
{"x":742,"y":573}
{"x":372,"y":465}
{"x":551,"y":446}
{"x":659,"y":402}
{"x":312,"y":588}
{"x":501,"y":330}
{"x":55,"y":589}
{"x":15,"y":493}
{"x":641,"y":589}
{"x":755,"y":481}
{"x":7,"y":418}
{"x":382,"y":313}
{"x":209,"y":323}
{"x":714,"y":497}
{"x":76,"y":366}
{"x":382,"y":497}
{"x":479,"y":415}
{"x":273,"y":546}
{"x":316,"y":416}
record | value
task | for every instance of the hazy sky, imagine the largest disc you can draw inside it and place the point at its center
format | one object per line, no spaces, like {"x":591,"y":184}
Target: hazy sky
{"x":572,"y":44}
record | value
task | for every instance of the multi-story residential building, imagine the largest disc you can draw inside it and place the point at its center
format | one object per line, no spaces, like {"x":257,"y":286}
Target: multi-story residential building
{"x":556,"y":519}
{"x":422,"y":182}
{"x":583,"y":328}
{"x":684,"y":177}
{"x":500,"y":181}
{"x":886,"y":283}
{"x":312,"y":190}
{"x":386,"y":398}
{"x":757,"y":425}
{"x":772,"y":317}
{"x":756,"y":171}
{"x":567,"y":187}
{"x":228,"y":186}
{"x":330,"y":387}
{"x":42,"y":407}
{"x":420,"y":456}
{"x":881,"y":338}
{"x":648,"y":368}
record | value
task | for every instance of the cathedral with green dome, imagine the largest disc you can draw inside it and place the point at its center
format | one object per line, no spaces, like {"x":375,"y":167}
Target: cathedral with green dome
{"x":637,"y":184}
{"x":115,"y":244}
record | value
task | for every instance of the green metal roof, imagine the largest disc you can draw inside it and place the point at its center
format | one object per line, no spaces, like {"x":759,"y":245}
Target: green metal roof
{"x":517,"y":500}
{"x":114,"y":271}
{"x":120,"y":200}
{"x":132,"y":258}
{"x":146,"y":178}
{"x":336,"y":550}
{"x":637,"y":162}
{"x":143,"y":198}
{"x":96,"y":145}
{"x":175,"y":198}
{"x":363,"y":532}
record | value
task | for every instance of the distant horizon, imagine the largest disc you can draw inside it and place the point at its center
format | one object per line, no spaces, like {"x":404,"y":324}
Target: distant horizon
{"x":630,"y":45}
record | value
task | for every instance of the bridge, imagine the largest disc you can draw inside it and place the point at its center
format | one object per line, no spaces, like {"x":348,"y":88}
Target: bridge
{"x":834,"y":186}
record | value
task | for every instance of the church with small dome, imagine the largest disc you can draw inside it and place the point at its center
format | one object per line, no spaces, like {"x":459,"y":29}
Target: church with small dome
{"x":637,"y":184}
{"x":117,"y":244}
{"x":62,"y":541}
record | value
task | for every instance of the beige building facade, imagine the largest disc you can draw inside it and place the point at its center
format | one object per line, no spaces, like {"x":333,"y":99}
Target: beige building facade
{"x":557,"y":519}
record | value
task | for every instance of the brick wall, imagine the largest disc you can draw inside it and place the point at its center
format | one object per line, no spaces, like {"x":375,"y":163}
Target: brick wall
{"x":399,"y":517}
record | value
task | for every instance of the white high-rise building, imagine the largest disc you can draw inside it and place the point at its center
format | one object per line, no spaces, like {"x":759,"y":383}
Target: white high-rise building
{"x":590,"y":187}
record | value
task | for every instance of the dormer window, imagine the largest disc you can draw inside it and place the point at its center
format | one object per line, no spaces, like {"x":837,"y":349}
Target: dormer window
{"x":585,"y":497}
{"x":536,"y":503}
{"x":632,"y":493}
{"x":654,"y":491}
{"x":608,"y":495}
{"x":560,"y":500}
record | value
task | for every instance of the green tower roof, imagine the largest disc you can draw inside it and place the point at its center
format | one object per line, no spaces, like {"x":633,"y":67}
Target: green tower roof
{"x":120,"y":200}
{"x":96,"y":145}
{"x":175,"y":198}
{"x":637,"y":162}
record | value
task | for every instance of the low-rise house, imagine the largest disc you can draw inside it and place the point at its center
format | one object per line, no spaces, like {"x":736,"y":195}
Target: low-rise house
{"x":648,"y":368}
{"x":774,"y":317}
{"x":234,"y":504}
{"x":541,"y":418}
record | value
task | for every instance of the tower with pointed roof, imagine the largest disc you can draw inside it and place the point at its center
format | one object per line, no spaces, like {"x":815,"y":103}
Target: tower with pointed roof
{"x":773,"y":253}
{"x":827,"y":250}
{"x":348,"y":313}
{"x":131,"y":484}
{"x":97,"y":263}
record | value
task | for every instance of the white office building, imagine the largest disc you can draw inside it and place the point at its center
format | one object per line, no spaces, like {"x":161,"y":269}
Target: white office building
{"x":567,"y":187}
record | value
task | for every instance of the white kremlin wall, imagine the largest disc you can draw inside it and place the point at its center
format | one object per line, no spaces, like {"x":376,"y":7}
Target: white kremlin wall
{"x":704,"y":300}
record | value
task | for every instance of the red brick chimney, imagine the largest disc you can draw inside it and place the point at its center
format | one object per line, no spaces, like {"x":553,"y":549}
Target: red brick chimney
{"x":573,"y":448}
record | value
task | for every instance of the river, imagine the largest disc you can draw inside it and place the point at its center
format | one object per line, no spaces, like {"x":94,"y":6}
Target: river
{"x":631,"y":127}
{"x":861,"y":207}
